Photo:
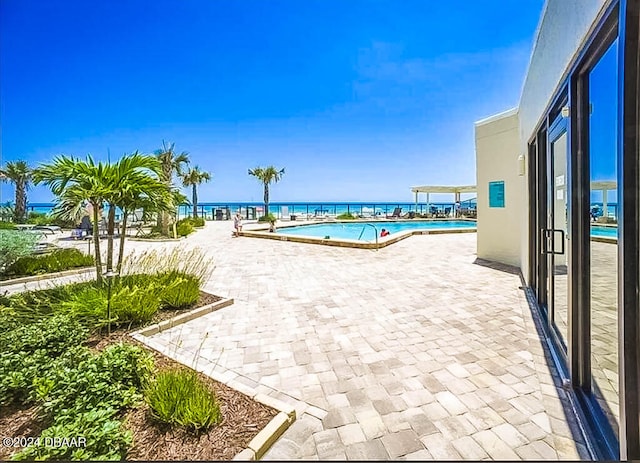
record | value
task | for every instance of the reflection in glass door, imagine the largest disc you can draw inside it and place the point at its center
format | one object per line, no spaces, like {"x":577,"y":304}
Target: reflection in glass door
{"x":604,"y":231}
{"x":556,"y":232}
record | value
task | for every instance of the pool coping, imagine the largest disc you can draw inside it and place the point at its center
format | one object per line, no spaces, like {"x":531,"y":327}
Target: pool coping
{"x":346,"y":243}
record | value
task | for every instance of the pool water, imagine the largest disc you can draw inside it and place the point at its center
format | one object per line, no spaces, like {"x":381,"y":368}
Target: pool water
{"x":607,"y":232}
{"x":364,"y":231}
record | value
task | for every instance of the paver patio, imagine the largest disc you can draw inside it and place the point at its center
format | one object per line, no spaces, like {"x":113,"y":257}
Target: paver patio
{"x":415,"y":351}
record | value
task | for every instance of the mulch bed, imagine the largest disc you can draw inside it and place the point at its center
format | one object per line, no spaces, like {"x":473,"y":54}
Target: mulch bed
{"x":242,"y":418}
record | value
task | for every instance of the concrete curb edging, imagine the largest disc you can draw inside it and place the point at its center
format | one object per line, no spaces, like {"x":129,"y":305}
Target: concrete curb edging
{"x":182,"y":318}
{"x":262,"y":441}
{"x":46,"y":276}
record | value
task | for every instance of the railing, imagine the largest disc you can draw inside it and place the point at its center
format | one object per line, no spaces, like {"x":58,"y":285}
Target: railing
{"x":375,"y":232}
{"x":253,"y":210}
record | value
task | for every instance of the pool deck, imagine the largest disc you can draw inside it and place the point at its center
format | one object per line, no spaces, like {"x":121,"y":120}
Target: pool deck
{"x":414,"y":351}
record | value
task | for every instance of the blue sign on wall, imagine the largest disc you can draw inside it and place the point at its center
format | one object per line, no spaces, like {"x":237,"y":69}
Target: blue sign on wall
{"x":496,"y":194}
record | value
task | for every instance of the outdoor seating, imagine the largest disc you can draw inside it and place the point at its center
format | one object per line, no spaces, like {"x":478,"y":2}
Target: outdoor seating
{"x":396,"y":213}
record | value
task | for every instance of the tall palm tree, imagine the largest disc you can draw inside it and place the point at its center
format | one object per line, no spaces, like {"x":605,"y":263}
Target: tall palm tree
{"x":267,"y":175}
{"x":171,"y":163}
{"x":134,"y":178}
{"x":75,"y":182}
{"x":194,"y":177}
{"x":19,"y":173}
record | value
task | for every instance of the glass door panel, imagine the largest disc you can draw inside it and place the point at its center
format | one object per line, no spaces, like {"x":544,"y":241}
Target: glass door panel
{"x":557,"y":235}
{"x":603,"y":239}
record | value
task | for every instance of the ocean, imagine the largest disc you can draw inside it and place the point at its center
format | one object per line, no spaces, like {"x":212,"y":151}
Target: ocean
{"x":280,"y":209}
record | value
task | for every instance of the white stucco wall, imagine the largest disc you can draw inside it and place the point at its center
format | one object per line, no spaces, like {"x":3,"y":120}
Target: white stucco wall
{"x":499,"y":228}
{"x":562,"y":31}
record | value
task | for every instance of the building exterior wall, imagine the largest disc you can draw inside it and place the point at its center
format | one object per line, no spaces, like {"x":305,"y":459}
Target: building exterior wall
{"x":499,"y":228}
{"x":563,"y":28}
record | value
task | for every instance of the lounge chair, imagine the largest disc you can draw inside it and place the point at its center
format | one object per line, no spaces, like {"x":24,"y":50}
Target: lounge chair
{"x":396,"y":213}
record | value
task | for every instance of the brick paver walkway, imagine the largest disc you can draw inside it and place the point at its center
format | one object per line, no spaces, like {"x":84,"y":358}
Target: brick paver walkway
{"x":414,"y":351}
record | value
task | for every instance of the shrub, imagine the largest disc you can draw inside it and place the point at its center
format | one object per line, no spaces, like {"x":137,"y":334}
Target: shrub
{"x":105,"y":439}
{"x":346,"y":216}
{"x":56,"y":261}
{"x":33,"y":350}
{"x":112,"y":379}
{"x":135,"y":304}
{"x":184,"y":228}
{"x":38,"y":218}
{"x":178,"y":290}
{"x":83,"y":400}
{"x":267,"y":218}
{"x":195,"y":221}
{"x":15,"y":244}
{"x":180,"y":397}
{"x":7,"y":226}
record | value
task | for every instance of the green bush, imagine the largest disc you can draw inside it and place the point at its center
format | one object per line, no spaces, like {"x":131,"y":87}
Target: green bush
{"x":180,"y":397}
{"x":184,"y":228}
{"x":7,"y":226}
{"x":346,"y":216}
{"x":32,"y":350}
{"x":15,"y":244}
{"x":112,"y":379}
{"x":84,"y":398}
{"x":178,"y":290}
{"x":130,"y":303}
{"x":38,"y":218}
{"x":136,"y":304}
{"x":56,"y":261}
{"x":105,"y":439}
{"x":267,"y":218}
{"x":196,"y":222}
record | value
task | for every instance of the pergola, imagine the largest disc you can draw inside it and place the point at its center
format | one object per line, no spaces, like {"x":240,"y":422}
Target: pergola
{"x":604,"y":186}
{"x":456,"y":190}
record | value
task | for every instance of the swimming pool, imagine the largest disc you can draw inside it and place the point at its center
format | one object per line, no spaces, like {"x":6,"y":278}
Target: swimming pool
{"x":604,"y":232}
{"x":365,"y":231}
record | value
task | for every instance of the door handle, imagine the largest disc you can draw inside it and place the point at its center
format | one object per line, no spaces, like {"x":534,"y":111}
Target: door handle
{"x":547,"y":233}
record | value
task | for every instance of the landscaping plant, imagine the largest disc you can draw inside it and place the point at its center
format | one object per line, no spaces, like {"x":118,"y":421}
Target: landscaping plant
{"x":34,"y":349}
{"x":179,"y":397}
{"x":184,"y":227}
{"x":56,"y":261}
{"x":15,"y":244}
{"x":85,"y":400}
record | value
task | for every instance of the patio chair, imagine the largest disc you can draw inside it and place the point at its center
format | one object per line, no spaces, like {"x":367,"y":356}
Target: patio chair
{"x":396,"y":213}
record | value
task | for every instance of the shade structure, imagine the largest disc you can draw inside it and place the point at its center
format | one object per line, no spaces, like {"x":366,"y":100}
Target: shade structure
{"x":457,"y":190}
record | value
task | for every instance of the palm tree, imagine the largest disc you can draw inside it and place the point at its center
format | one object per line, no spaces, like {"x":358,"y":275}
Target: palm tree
{"x":267,"y":175}
{"x":19,"y":173}
{"x":133,"y":179}
{"x":76,"y":182}
{"x":194,"y":177}
{"x":171,"y":162}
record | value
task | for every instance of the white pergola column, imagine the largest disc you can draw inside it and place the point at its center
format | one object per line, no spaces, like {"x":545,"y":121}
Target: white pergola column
{"x":604,"y":204}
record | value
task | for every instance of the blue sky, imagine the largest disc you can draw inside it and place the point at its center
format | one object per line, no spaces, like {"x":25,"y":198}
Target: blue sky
{"x":357,"y":99}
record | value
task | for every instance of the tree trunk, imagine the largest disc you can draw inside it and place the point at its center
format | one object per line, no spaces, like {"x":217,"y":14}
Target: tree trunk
{"x":21,"y":202}
{"x":123,"y":231}
{"x":111,"y":225}
{"x":266,"y":199}
{"x":96,"y":243}
{"x":195,"y":202}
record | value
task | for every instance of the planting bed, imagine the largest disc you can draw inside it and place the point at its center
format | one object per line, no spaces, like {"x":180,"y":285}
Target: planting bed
{"x":242,"y":417}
